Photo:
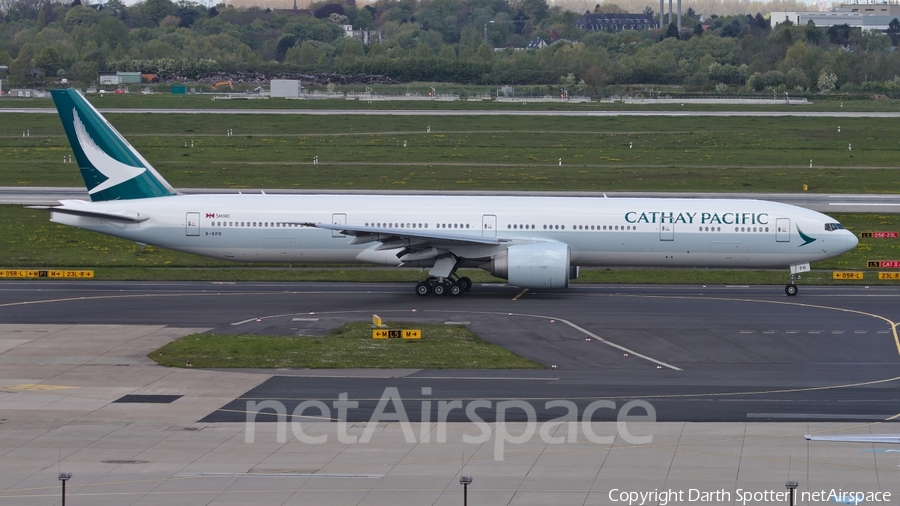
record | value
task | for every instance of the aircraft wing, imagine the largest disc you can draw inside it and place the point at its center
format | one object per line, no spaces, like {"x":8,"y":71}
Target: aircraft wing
{"x":392,"y":238}
{"x":418,"y":245}
{"x":871,"y":438}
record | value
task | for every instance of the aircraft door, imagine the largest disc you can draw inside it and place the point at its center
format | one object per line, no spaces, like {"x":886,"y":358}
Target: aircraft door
{"x":338,"y":219}
{"x":783,"y":230}
{"x":666,"y":231}
{"x":192,"y":224}
{"x":489,"y":225}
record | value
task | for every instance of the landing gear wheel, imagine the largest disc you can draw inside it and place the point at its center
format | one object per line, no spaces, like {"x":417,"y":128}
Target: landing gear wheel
{"x":423,"y":289}
{"x":465,"y":283}
{"x":790,"y":290}
{"x":439,"y":289}
{"x":455,"y":289}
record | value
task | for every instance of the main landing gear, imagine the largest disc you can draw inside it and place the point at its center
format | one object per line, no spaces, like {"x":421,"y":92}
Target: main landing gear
{"x":791,"y":288}
{"x":443,"y":286}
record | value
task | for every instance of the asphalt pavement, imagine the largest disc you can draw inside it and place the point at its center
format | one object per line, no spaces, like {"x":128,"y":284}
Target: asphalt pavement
{"x":715,"y":353}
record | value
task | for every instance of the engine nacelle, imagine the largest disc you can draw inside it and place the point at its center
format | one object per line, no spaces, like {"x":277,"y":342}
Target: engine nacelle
{"x":535,"y":265}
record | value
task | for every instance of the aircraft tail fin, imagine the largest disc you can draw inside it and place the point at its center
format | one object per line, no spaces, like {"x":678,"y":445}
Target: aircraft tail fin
{"x":112,"y":169}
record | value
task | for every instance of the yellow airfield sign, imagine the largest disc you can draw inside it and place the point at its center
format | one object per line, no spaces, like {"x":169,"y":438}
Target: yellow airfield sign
{"x":396,"y":334}
{"x":53,"y":274}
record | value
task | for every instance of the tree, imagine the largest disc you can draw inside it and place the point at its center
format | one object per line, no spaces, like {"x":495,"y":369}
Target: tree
{"x":595,"y":77}
{"x":610,"y":8}
{"x":756,"y":82}
{"x":112,"y":31}
{"x":157,"y":9}
{"x":672,"y":31}
{"x":364,"y":19}
{"x":81,"y":16}
{"x":20,"y":68}
{"x":114,"y":7}
{"x":812,"y":33}
{"x":893,"y":31}
{"x":353,"y":50}
{"x":535,"y":10}
{"x":827,"y":81}
{"x":447,"y":52}
{"x":327,"y":10}
{"x":839,"y":34}
{"x":284,"y":44}
{"x":47,"y":61}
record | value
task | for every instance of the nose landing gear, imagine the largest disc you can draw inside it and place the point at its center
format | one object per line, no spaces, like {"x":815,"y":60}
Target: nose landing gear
{"x":796,"y":269}
{"x":791,"y":289}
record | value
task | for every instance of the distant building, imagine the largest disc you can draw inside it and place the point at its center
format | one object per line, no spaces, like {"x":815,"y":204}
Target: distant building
{"x":865,"y":16}
{"x":295,"y":10}
{"x":366,"y":36}
{"x":536,"y":43}
{"x":119,"y":78}
{"x":298,"y":12}
{"x":614,"y":23}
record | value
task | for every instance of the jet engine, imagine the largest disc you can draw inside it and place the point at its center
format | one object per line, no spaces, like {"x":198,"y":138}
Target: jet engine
{"x":535,"y":265}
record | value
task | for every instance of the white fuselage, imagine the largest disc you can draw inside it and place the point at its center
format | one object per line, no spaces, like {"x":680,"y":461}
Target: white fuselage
{"x":599,"y":231}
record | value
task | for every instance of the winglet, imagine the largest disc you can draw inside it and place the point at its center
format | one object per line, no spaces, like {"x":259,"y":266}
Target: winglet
{"x":111,"y":168}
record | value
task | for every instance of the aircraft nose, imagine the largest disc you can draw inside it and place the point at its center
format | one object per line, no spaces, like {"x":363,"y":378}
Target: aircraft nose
{"x":852,"y":241}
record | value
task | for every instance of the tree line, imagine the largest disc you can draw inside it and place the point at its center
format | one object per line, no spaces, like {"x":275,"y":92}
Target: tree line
{"x":460,"y":41}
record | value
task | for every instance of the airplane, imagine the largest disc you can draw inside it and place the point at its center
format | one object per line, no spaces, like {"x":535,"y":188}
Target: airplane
{"x":532,"y":242}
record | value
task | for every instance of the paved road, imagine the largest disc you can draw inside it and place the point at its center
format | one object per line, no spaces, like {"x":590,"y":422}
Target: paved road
{"x":819,"y":202}
{"x":694,"y":353}
{"x":383,"y":112}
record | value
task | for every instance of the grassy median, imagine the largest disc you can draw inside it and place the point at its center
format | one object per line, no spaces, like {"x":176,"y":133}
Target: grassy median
{"x":349,"y":347}
{"x":700,"y":154}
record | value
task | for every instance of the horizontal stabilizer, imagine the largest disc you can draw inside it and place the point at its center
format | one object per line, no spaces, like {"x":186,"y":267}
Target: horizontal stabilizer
{"x":123,"y":217}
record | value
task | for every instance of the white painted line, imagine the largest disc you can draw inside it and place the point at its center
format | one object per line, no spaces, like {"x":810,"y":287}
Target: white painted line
{"x":816,"y":416}
{"x":747,"y":331}
{"x":837,"y":331}
{"x":304,"y":319}
{"x":860,"y":331}
{"x":792,"y":332}
{"x":276,"y":475}
{"x":457,"y":323}
{"x":478,"y":378}
{"x":861,"y":204}
{"x":614,"y":345}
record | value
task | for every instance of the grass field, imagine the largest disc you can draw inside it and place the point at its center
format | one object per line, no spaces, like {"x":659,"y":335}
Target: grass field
{"x":717,"y":154}
{"x":164,"y":99}
{"x":31,"y":241}
{"x":351,"y":346}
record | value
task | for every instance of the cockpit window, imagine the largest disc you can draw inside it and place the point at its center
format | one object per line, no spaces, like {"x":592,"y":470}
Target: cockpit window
{"x":833,"y":226}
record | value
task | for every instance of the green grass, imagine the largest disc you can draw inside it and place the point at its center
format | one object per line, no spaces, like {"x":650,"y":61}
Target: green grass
{"x":351,"y":346}
{"x":698,"y":154}
{"x":31,"y":241}
{"x":163,"y":99}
